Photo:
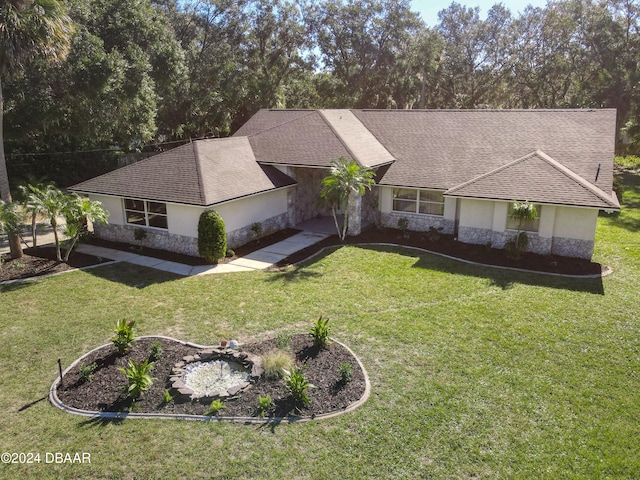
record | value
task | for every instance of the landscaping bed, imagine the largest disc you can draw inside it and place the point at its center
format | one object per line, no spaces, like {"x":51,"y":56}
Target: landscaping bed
{"x":321,"y":367}
{"x":42,"y":261}
{"x":446,"y":244}
{"x":245,"y":249}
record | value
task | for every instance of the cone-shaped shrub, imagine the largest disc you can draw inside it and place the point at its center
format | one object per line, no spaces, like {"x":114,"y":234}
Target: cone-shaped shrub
{"x":212,"y":238}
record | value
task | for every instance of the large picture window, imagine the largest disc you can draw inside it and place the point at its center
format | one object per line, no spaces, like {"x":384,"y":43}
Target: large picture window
{"x":412,"y":200}
{"x":145,"y":213}
{"x":513,"y":223}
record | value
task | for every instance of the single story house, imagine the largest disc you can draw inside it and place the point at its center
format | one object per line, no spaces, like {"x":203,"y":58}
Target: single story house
{"x":456,"y":169}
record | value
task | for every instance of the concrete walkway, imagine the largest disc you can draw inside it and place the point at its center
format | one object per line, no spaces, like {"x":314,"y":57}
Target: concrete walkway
{"x":258,"y":260}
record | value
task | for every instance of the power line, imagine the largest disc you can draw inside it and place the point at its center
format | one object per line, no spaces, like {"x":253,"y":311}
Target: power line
{"x":35,"y":154}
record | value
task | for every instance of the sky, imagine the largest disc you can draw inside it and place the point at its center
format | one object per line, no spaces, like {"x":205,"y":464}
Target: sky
{"x":429,"y":8}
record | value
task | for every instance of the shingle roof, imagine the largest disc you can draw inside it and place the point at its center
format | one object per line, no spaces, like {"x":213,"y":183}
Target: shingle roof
{"x":538,"y":178}
{"x":298,"y":137}
{"x":205,"y":172}
{"x":440,"y":149}
{"x":312,"y":138}
{"x":431,"y":149}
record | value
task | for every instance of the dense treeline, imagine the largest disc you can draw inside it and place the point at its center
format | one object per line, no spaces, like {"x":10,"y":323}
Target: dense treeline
{"x":143,"y":72}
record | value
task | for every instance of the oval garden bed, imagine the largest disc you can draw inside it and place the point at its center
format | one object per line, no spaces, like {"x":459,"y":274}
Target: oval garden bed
{"x":94,"y":385}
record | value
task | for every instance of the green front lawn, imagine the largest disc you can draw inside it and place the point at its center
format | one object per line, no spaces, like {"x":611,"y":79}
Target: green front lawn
{"x":475,"y":372}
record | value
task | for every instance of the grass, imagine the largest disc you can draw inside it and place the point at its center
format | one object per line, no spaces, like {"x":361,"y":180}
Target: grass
{"x":476,"y":372}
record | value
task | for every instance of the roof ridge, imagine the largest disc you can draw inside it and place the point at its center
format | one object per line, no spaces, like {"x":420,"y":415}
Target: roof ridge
{"x":338,"y":136}
{"x":594,"y":189}
{"x":196,"y":159}
{"x":310,"y":112}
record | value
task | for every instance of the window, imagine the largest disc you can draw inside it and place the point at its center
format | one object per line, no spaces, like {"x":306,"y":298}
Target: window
{"x":145,"y":213}
{"x":412,"y":200}
{"x":514,"y":223}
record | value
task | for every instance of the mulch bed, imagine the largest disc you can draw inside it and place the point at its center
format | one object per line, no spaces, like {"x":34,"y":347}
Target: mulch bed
{"x":321,"y":367}
{"x":447,"y":245}
{"x":42,"y":261}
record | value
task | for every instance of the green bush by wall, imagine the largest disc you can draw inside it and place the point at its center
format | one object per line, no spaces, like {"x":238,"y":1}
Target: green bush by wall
{"x":212,"y":237}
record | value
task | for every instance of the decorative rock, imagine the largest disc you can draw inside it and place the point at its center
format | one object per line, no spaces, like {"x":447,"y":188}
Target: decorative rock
{"x":233,"y":344}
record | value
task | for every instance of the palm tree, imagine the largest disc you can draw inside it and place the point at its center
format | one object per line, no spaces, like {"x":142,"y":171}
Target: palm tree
{"x":34,"y":208}
{"x":79,"y":212}
{"x":346,"y":178}
{"x":28,"y":29}
{"x":52,"y":202}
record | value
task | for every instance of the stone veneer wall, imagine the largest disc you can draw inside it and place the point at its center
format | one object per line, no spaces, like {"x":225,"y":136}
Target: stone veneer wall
{"x":163,"y":240}
{"x":239,"y":237}
{"x":572,"y":247}
{"x":303,"y":201}
{"x":418,"y":222}
{"x":565,"y":247}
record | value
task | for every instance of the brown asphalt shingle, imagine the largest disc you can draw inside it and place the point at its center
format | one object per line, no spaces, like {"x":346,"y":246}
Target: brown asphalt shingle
{"x":440,"y":149}
{"x":205,"y":172}
{"x":298,"y":137}
{"x":540,"y":179}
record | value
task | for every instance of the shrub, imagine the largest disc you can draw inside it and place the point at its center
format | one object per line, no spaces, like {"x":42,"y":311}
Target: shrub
{"x":139,"y":234}
{"x":403,"y":225}
{"x":156,"y":350}
{"x":124,"y":335}
{"x":256,"y":228}
{"x":275,"y":362}
{"x":230,"y":253}
{"x":166,"y":396}
{"x":87,"y":371}
{"x":138,"y":377}
{"x":215,"y":407}
{"x":320,"y":332}
{"x":263,"y":404}
{"x":345,"y":373}
{"x":212,"y":238}
{"x":298,"y":386}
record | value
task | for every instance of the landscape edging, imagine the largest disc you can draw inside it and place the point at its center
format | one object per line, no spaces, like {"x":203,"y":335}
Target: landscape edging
{"x":53,"y":397}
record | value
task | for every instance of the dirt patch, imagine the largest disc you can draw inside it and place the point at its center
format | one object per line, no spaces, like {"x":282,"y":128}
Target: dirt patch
{"x":321,"y":367}
{"x":42,"y":261}
{"x":447,"y":245}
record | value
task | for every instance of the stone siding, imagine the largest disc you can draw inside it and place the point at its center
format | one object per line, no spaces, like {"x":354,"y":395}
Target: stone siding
{"x":565,"y":247}
{"x":303,"y":200}
{"x":572,"y":247}
{"x":243,"y":235}
{"x":163,"y":240}
{"x":417,"y":222}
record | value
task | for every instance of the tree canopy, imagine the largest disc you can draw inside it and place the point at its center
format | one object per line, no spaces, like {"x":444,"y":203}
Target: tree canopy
{"x":139,"y":75}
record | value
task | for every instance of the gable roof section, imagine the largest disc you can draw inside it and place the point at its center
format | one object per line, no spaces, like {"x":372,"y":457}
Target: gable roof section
{"x":204,"y":173}
{"x":293,"y":137}
{"x":312,"y":138}
{"x":359,"y":141}
{"x":440,"y":149}
{"x":538,"y":178}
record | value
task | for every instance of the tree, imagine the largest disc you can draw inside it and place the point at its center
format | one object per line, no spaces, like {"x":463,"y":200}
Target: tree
{"x":26,"y":191}
{"x":346,"y":178}
{"x":52,"y":202}
{"x":79,"y":212}
{"x":28,"y":28}
{"x":10,"y":220}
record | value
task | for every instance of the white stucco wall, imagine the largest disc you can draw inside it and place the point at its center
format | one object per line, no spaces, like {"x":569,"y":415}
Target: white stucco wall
{"x":577,"y":223}
{"x":113,"y":205}
{"x":183,"y":219}
{"x":476,"y":213}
